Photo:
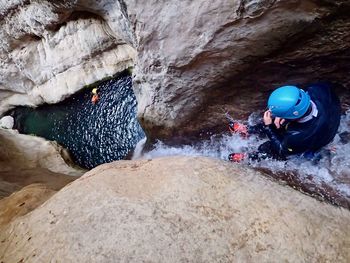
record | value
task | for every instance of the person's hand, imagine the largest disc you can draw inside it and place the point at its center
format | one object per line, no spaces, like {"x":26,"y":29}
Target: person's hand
{"x":278,"y":122}
{"x":267,"y":118}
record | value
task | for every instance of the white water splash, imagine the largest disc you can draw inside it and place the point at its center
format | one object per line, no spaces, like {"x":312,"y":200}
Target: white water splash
{"x":332,"y":169}
{"x":138,"y":149}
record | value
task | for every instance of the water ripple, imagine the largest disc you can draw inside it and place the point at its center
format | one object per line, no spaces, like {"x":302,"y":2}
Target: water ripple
{"x":94,"y":134}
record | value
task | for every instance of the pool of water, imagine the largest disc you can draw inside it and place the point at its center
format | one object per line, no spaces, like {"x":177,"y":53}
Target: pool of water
{"x":94,"y":134}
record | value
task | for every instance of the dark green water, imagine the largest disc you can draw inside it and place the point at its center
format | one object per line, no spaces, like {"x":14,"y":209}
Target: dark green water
{"x":94,"y":134}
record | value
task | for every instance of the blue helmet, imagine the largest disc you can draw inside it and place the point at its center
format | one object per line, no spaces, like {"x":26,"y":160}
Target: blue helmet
{"x":289,"y":102}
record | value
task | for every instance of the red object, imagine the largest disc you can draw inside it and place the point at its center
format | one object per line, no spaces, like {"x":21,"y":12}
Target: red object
{"x":239,"y":128}
{"x":94,"y":99}
{"x":237,"y":157}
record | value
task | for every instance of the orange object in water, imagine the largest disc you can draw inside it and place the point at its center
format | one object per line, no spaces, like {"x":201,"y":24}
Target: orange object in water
{"x":236,"y":127}
{"x":94,"y":99}
{"x":237,"y":157}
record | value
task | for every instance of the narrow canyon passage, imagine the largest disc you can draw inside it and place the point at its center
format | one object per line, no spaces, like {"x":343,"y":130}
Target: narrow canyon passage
{"x":109,"y":130}
{"x":119,"y":147}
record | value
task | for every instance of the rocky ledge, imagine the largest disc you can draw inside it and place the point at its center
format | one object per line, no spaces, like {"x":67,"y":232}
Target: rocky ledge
{"x":178,"y":210}
{"x":51,"y":49}
{"x":38,"y":166}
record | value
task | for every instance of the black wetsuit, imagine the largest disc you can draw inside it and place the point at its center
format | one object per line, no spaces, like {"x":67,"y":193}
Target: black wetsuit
{"x":310,"y":136}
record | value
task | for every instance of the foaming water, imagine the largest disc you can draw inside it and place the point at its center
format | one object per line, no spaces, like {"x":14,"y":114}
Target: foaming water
{"x":326,"y":175}
{"x":94,"y":134}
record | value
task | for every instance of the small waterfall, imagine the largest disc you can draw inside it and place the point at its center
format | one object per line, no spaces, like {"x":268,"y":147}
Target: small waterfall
{"x":326,"y":176}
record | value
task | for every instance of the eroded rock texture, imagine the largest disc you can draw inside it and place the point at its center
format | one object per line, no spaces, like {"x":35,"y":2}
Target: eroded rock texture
{"x":25,"y":160}
{"x":178,"y":210}
{"x":51,"y":49}
{"x":31,"y":171}
{"x":197,"y":58}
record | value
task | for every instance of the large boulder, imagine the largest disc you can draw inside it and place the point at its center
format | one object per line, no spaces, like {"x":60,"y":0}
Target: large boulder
{"x":178,"y":210}
{"x":7,"y":122}
{"x":27,"y":152}
{"x":31,"y":171}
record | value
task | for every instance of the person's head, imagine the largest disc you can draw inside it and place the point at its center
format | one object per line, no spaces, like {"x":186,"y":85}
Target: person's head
{"x":289,"y":102}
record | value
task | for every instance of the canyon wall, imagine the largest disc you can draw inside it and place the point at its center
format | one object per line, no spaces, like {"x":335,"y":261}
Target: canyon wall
{"x":194,"y":59}
{"x":51,"y":49}
{"x":178,"y":209}
{"x":197,"y":59}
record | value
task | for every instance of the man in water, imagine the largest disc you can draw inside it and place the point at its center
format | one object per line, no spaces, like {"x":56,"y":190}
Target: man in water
{"x":95,"y":97}
{"x":296,"y":122}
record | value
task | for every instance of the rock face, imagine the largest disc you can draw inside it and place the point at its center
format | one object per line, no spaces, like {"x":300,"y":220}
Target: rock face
{"x":51,"y":49}
{"x":31,"y":171}
{"x":196,"y":58}
{"x":178,"y":210}
{"x":6,"y":122}
{"x":24,"y":151}
{"x":25,"y":160}
{"x":23,"y":201}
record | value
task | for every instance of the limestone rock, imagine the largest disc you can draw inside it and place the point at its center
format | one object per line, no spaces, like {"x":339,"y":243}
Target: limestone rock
{"x":50,"y":50}
{"x":26,"y":160}
{"x":29,"y":152}
{"x":23,"y":201}
{"x":31,"y":170}
{"x":7,"y":122}
{"x":196,"y":58}
{"x":178,"y":210}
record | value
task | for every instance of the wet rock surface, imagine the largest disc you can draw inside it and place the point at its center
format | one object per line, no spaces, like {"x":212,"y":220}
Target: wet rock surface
{"x":178,"y":209}
{"x":194,"y":59}
{"x":197,"y":58}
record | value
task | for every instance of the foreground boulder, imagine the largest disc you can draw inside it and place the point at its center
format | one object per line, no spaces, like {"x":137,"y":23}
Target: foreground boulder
{"x":23,"y":201}
{"x":178,"y":209}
